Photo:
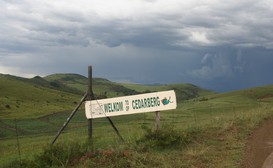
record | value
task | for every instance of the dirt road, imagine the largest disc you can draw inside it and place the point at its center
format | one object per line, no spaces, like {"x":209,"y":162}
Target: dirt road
{"x":260,"y":147}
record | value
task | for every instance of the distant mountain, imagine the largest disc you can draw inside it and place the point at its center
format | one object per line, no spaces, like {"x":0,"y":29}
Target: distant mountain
{"x":183,"y":91}
{"x":38,"y":96}
{"x":102,"y":88}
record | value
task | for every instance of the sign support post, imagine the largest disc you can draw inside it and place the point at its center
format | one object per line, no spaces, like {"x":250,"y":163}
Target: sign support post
{"x":90,"y":96}
{"x":69,"y":118}
{"x":142,"y":103}
{"x":157,"y":120}
{"x":115,"y":128}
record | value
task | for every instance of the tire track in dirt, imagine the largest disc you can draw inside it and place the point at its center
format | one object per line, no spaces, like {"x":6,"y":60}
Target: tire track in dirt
{"x":259,"y":145}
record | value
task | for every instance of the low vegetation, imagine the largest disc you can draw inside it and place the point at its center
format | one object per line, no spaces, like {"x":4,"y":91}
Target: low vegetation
{"x":128,"y":155}
{"x":206,"y":130}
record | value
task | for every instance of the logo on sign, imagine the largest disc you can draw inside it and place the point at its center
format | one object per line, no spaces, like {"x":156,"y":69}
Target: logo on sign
{"x":166,"y":101}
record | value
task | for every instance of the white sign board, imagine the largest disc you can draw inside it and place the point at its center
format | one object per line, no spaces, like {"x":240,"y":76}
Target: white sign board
{"x":141,"y":103}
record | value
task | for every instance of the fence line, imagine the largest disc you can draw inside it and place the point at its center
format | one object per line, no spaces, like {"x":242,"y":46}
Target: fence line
{"x":25,"y":127}
{"x":36,"y":129}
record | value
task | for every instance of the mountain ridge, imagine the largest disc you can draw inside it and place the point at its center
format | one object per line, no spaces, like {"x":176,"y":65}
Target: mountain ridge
{"x":38,"y":96}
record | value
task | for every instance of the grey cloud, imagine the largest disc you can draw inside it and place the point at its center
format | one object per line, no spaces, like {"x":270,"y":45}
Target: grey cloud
{"x":27,"y":28}
{"x":211,"y":24}
{"x":210,"y":43}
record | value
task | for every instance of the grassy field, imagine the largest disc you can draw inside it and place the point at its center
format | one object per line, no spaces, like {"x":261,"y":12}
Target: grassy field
{"x":215,"y":128}
{"x":21,"y":99}
{"x":221,"y":124}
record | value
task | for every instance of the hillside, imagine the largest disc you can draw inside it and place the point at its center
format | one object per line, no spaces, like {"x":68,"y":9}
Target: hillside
{"x":29,"y":98}
{"x":104,"y":88}
{"x":256,"y":95}
{"x":75,"y":81}
{"x":213,"y":129}
{"x":183,"y":91}
{"x":23,"y":97}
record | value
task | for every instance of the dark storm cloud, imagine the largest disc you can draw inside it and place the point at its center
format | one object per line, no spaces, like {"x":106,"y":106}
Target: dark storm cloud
{"x":233,"y":69}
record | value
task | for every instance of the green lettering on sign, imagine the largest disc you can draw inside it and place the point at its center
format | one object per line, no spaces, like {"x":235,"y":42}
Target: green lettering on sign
{"x":146,"y":103}
{"x":113,"y":107}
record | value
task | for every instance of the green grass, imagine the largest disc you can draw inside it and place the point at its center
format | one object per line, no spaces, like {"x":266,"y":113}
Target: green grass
{"x":105,"y":88}
{"x":31,"y":98}
{"x":223,"y":126}
{"x":72,"y":80}
{"x":183,"y":91}
{"x":19,"y":99}
{"x":101,"y":87}
{"x":211,"y":129}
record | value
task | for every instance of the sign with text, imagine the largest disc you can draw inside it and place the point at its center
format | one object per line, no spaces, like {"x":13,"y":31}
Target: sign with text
{"x":142,"y":103}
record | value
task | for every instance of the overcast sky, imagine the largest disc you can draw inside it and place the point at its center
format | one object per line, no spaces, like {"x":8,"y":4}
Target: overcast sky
{"x":218,"y":45}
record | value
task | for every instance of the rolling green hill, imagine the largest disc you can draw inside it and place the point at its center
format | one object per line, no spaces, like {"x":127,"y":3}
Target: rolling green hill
{"x":24,"y":98}
{"x":72,"y":80}
{"x":256,"y":95}
{"x":104,"y":88}
{"x":183,"y":91}
{"x":29,"y":98}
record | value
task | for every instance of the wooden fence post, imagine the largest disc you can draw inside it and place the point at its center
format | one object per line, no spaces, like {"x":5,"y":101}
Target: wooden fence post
{"x":157,"y":120}
{"x":90,"y":96}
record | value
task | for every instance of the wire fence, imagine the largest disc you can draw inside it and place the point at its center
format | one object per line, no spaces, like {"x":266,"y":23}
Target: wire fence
{"x":11,"y":128}
{"x":20,"y":138}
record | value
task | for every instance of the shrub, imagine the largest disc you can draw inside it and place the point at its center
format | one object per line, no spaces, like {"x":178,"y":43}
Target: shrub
{"x":166,"y":137}
{"x":7,"y":106}
{"x":59,"y":155}
{"x":19,"y":164}
{"x":203,"y":99}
